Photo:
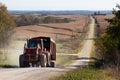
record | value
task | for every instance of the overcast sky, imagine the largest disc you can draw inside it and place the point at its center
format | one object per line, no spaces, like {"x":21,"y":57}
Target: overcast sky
{"x":60,"y":4}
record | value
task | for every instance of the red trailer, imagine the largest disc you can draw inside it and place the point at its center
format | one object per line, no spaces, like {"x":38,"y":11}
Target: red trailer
{"x":38,"y":51}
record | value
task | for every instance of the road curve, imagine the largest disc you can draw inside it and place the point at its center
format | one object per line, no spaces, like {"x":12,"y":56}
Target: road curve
{"x":46,"y":73}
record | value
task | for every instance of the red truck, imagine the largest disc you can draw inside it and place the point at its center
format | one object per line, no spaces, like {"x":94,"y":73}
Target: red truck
{"x":38,"y":51}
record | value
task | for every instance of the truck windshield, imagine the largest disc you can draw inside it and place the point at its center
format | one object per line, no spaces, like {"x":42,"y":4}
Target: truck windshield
{"x":33,"y":44}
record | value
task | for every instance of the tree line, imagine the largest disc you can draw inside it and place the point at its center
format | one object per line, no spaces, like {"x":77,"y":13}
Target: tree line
{"x":23,"y":20}
{"x":108,"y":44}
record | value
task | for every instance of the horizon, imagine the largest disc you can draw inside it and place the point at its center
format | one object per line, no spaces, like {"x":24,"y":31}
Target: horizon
{"x":60,"y":10}
{"x":60,"y":5}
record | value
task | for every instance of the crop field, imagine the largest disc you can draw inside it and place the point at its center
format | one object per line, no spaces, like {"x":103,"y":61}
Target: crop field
{"x":57,"y":31}
{"x":102,"y":22}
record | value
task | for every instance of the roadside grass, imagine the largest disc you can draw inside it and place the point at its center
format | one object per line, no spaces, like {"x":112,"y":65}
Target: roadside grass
{"x":67,"y":50}
{"x":80,"y":74}
{"x":72,"y":45}
{"x":65,"y":59}
{"x":86,"y":73}
{"x":60,"y":48}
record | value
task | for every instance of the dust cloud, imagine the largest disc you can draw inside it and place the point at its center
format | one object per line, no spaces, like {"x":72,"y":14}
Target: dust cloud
{"x":10,"y":54}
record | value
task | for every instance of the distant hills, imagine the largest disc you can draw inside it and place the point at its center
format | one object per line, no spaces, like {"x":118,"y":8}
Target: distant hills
{"x":71,"y":12}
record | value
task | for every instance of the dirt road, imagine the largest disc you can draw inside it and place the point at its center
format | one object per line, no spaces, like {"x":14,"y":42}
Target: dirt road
{"x":29,"y":73}
{"x":46,"y":73}
{"x":84,"y":54}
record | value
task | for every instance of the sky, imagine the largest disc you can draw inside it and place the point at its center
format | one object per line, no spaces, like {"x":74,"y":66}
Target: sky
{"x":60,"y":4}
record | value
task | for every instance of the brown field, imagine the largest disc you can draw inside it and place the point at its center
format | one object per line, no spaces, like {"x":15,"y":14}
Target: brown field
{"x":102,"y":22}
{"x":55,"y":30}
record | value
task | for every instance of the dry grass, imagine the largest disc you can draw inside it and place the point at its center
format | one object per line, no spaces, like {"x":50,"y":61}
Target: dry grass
{"x":55,"y":30}
{"x":102,"y":22}
{"x":111,"y":73}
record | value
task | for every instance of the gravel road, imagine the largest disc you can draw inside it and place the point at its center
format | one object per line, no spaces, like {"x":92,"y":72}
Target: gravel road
{"x":29,"y":73}
{"x":84,"y":54}
{"x":46,"y":73}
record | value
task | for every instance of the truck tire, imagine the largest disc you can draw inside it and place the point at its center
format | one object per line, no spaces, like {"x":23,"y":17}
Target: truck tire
{"x":37,"y":64}
{"x":21,"y":61}
{"x":52,"y":64}
{"x":43,"y":60}
{"x":26,"y":64}
{"x":48,"y":57}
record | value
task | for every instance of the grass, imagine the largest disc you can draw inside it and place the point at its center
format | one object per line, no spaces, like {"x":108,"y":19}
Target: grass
{"x":85,"y":74}
{"x":60,"y":48}
{"x":71,"y":45}
{"x":64,"y":60}
{"x":66,"y":48}
{"x":80,"y":74}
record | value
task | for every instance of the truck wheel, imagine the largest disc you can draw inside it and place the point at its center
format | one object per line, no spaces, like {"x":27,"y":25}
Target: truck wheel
{"x":26,"y":64}
{"x":33,"y":64}
{"x":21,"y":61}
{"x":48,"y":59}
{"x":52,"y":64}
{"x":37,"y":64}
{"x":43,"y":60}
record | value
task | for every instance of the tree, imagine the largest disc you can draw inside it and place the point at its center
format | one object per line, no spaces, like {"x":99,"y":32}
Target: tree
{"x":114,"y":28}
{"x":6,"y":25}
{"x":108,"y":45}
{"x":106,"y":48}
